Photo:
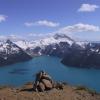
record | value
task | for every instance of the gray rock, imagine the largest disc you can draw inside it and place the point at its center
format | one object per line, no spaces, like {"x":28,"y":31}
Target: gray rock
{"x":41,"y":87}
{"x":47,"y":83}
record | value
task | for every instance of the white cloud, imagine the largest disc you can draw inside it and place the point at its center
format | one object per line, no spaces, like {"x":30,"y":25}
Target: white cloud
{"x":12,"y":37}
{"x":68,"y":30}
{"x":28,"y":24}
{"x":35,"y":34}
{"x":2,"y":37}
{"x":80,"y":27}
{"x":88,"y":8}
{"x":39,"y":34}
{"x":42,"y":23}
{"x":2,"y":18}
{"x":47,"y":23}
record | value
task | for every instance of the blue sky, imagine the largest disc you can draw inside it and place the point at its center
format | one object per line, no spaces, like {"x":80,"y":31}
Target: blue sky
{"x":40,"y":17}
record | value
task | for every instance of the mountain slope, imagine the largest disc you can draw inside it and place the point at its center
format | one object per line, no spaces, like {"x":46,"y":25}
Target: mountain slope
{"x":10,"y":53}
{"x":55,"y":45}
{"x":73,"y":53}
{"x":89,"y":57}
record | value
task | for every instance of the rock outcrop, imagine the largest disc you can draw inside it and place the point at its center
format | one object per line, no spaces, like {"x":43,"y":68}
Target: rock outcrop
{"x":44,"y":82}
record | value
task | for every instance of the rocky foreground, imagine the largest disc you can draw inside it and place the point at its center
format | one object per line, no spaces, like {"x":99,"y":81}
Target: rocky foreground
{"x":44,"y":88}
{"x":67,"y":93}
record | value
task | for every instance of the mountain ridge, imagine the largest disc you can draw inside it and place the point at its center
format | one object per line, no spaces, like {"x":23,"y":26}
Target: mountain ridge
{"x":70,"y":51}
{"x":10,"y":53}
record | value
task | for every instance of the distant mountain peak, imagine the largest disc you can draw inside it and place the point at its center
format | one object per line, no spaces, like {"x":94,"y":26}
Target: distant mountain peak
{"x":59,"y":36}
{"x":8,"y":41}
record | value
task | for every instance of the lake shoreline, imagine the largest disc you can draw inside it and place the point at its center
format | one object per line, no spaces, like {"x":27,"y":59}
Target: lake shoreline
{"x":21,"y":73}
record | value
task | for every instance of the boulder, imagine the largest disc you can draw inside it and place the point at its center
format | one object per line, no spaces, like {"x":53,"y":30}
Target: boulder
{"x":44,"y":82}
{"x":59,"y":86}
{"x":41,"y":87}
{"x":47,"y":83}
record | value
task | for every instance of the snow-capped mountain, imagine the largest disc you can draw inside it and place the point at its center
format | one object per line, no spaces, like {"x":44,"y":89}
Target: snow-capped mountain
{"x":54,"y":45}
{"x":7,"y":47}
{"x":11,"y":53}
{"x":73,"y":53}
{"x":56,"y":39}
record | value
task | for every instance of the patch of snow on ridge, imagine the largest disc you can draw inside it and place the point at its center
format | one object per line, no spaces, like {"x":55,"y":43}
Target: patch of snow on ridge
{"x":82,"y":44}
{"x":8,"y":48}
{"x":56,"y":39}
{"x":23,"y":44}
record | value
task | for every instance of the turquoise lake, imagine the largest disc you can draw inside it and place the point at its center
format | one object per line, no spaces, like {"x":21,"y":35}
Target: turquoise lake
{"x":21,"y":73}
